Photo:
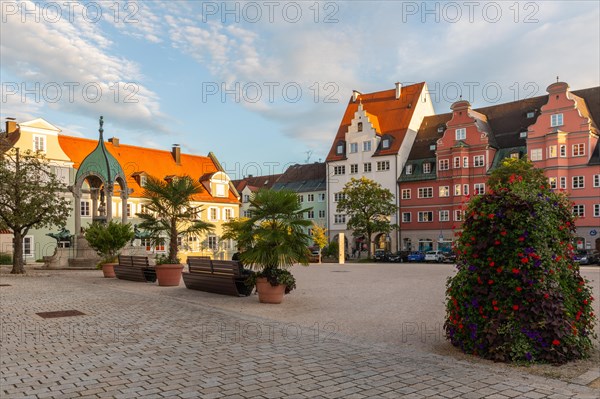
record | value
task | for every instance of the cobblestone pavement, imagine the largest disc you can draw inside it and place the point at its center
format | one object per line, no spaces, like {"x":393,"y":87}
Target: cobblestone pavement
{"x":136,"y":341}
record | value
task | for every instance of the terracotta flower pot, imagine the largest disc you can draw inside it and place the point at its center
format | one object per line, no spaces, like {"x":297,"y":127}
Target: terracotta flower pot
{"x":168,"y":275}
{"x":267,"y":293}
{"x":109,"y":270}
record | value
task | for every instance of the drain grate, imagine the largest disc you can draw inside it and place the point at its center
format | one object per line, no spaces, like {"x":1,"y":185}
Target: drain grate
{"x":5,"y":285}
{"x":60,"y":313}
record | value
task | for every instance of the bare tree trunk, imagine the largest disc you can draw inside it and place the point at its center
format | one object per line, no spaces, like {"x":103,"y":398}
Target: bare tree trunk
{"x":18,"y":267}
{"x":369,"y":245}
{"x":173,"y":243}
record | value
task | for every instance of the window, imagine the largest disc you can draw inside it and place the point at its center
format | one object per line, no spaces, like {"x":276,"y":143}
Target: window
{"x":143,"y":180}
{"x":578,"y":182}
{"x":39,"y":143}
{"x":444,"y":164}
{"x":444,"y":191}
{"x":578,"y":150}
{"x":425,"y":216}
{"x":85,"y":208}
{"x":360,"y":126}
{"x":321,"y":197}
{"x":366,"y":146}
{"x":444,"y":216}
{"x":458,"y":215}
{"x":246,"y":198}
{"x":578,"y":210}
{"x":214,"y":214}
{"x":596,"y":180}
{"x":563,"y":151}
{"x":425,"y":192}
{"x":339,"y":219}
{"x":247,"y":214}
{"x":310,"y":214}
{"x":28,"y":246}
{"x":212,"y":242}
{"x":406,"y":193}
{"x":179,"y":241}
{"x":556,"y":120}
{"x":597,"y":210}
{"x":322,"y":213}
{"x":354,"y":168}
{"x":479,"y":161}
{"x":220,"y":190}
{"x":427,"y":167}
{"x":339,"y":170}
{"x":530,"y":114}
{"x":465,"y":162}
{"x":479,"y":188}
{"x":383,"y":165}
{"x":339,"y":149}
{"x":228,"y":214}
{"x":338,"y":197}
{"x":523,"y":134}
{"x":536,"y":154}
{"x":385,"y":143}
{"x":456,"y":162}
{"x":300,"y":198}
{"x":563,"y":182}
{"x":353,"y":148}
{"x":367,"y":167}
{"x":409,"y":169}
{"x":552,"y":153}
{"x":128,"y":206}
{"x":310,"y":197}
{"x":406,"y":217}
{"x":514,"y":155}
{"x":553,"y":183}
{"x":465,"y":189}
{"x":461,"y":134}
{"x":457,"y":189}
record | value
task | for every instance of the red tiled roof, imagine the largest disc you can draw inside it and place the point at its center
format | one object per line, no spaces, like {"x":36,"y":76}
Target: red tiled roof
{"x":157,"y":163}
{"x":392,"y":116}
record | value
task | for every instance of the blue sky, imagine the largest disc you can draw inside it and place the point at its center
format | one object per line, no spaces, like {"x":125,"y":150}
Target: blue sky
{"x":265,"y":84}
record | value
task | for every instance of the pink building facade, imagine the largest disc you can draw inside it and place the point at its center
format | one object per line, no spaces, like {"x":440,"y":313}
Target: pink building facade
{"x":454,"y":153}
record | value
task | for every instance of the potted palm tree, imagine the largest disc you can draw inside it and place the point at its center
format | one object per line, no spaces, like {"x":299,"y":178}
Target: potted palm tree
{"x":170,"y":213}
{"x":273,"y":239}
{"x":108,"y":240}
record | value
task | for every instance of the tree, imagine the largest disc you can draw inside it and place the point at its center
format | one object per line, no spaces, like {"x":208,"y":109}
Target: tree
{"x":368,"y":207}
{"x":108,"y":239}
{"x":170,"y":212}
{"x":319,"y":236}
{"x":273,"y":237}
{"x":518,"y":295}
{"x":31,"y":197}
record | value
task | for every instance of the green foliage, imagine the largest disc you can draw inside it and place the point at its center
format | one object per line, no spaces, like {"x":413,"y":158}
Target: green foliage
{"x":163,"y":259}
{"x":5,"y":259}
{"x":274,"y":277}
{"x":31,"y":197}
{"x":332,"y":250}
{"x":518,"y":296}
{"x":368,"y":207}
{"x":108,"y":239}
{"x":273,"y":238}
{"x":170,"y":211}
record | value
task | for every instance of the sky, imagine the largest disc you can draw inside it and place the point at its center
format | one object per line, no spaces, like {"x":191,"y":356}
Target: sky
{"x":265,"y":84}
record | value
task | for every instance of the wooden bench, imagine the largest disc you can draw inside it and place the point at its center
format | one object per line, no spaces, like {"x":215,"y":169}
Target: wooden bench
{"x":135,"y":268}
{"x":216,"y":276}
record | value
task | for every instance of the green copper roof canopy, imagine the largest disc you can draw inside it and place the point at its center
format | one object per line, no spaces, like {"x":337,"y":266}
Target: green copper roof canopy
{"x":100,"y":162}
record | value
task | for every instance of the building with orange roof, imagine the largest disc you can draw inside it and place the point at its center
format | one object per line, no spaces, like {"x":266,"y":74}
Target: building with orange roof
{"x":80,"y":162}
{"x":373,"y":140}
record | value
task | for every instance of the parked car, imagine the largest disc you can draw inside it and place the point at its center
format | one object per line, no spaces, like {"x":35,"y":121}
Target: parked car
{"x":381,"y":255}
{"x":586,"y":257}
{"x":448,"y":257}
{"x":433,"y":256}
{"x":416,"y":256}
{"x":398,"y":257}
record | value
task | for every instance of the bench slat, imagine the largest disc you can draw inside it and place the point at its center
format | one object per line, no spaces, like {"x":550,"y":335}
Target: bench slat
{"x":210,"y":283}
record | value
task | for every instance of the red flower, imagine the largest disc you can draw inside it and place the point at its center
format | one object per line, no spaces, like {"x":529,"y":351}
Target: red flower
{"x":494,"y":302}
{"x":556,"y":342}
{"x":515,"y":307}
{"x":585,"y":301}
{"x":546,"y":296}
{"x":497,"y":242}
{"x":519,"y":289}
{"x":492,"y":264}
{"x":521,"y":238}
{"x":490,"y":282}
{"x":503,"y":233}
{"x":499,"y":270}
{"x":496,"y":308}
{"x":515,"y":270}
{"x":491,"y":216}
{"x":524,"y":260}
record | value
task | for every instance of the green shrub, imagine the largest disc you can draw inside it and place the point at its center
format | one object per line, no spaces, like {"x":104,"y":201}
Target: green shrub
{"x":5,"y":259}
{"x":518,"y":296}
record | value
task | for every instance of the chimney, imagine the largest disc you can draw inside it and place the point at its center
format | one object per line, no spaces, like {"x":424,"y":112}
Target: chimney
{"x":398,"y":89}
{"x":114,"y":141}
{"x":11,"y":125}
{"x":176,"y":152}
{"x":355,"y":94}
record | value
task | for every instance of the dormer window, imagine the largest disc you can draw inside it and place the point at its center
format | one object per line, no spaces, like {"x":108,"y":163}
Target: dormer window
{"x":143,"y":180}
{"x":461,"y":134}
{"x":385,"y":143}
{"x":409,"y":169}
{"x":39,"y":143}
{"x":432,"y":147}
{"x":339,"y":150}
{"x":360,"y":126}
{"x":441,"y":129}
{"x":220,"y":190}
{"x":523,"y":134}
{"x":427,"y":167}
{"x":530,"y":114}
